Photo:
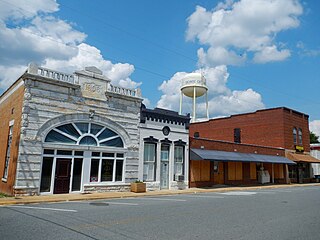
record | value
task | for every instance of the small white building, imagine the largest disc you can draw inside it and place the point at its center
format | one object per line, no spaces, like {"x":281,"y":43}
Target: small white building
{"x":315,"y":152}
{"x":164,"y":147}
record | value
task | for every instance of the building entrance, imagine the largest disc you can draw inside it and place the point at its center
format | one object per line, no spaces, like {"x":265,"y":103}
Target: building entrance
{"x":62,"y":176}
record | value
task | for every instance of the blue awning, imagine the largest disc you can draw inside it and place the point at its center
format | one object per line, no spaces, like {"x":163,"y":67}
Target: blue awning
{"x":213,"y":155}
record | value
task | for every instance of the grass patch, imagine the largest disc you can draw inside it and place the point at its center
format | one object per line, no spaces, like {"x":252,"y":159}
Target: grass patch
{"x":3,"y":195}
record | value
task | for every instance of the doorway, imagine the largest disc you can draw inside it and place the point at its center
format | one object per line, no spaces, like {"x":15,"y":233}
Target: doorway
{"x":62,"y":176}
{"x":164,"y":167}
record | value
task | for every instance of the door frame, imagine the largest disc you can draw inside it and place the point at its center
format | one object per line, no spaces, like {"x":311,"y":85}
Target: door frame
{"x":69,"y":174}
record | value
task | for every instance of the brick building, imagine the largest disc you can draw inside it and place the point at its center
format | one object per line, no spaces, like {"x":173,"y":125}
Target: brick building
{"x":277,"y":132}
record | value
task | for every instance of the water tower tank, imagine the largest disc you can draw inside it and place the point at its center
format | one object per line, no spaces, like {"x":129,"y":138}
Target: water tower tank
{"x":193,"y":85}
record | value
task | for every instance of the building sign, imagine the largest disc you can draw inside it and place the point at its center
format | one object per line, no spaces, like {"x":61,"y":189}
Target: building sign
{"x":299,"y":148}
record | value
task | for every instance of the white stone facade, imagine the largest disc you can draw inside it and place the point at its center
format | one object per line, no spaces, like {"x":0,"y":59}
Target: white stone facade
{"x":51,"y":99}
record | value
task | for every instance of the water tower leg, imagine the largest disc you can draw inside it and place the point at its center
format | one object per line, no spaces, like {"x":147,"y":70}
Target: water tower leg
{"x":207,"y":105}
{"x":180,"y":109}
{"x":194,"y":104}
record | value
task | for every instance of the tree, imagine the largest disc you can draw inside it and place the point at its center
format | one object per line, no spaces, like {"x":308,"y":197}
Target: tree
{"x":314,"y":138}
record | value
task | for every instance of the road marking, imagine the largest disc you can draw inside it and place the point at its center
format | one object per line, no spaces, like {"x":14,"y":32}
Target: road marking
{"x":238,"y":193}
{"x":165,"y":199}
{"x":42,"y":208}
{"x":203,"y":196}
{"x":123,"y":203}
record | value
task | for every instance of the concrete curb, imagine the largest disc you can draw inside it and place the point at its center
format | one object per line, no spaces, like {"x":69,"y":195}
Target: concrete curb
{"x":113,"y":195}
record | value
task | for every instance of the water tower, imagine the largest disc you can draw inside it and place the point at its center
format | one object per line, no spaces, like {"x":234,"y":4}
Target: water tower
{"x":193,"y":85}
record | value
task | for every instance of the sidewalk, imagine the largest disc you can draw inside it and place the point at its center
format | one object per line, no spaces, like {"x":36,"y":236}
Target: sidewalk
{"x":110,"y":195}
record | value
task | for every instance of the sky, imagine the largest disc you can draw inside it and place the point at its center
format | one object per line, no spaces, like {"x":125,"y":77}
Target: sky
{"x":254,"y":54}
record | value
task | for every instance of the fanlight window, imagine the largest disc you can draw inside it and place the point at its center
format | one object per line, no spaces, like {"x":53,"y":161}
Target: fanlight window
{"x":81,"y":133}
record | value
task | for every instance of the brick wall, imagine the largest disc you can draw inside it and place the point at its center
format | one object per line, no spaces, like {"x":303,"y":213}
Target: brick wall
{"x":10,"y":109}
{"x":231,"y":147}
{"x":270,"y":127}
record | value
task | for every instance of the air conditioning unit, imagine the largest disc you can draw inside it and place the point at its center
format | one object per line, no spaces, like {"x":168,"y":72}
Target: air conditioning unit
{"x":179,"y":178}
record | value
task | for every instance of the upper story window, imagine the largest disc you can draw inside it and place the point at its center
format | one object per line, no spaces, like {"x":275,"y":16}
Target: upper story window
{"x":84,"y":133}
{"x":237,"y":135}
{"x":7,"y":159}
{"x":300,"y":136}
{"x":294,"y":132}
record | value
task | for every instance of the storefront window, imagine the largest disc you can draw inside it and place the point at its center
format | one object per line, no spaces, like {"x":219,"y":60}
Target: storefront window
{"x":89,"y":134}
{"x":149,"y":158}
{"x":178,"y":160}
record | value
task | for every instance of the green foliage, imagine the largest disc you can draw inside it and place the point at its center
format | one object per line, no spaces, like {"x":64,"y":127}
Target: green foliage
{"x":3,"y":195}
{"x":314,"y":138}
{"x":138,"y":181}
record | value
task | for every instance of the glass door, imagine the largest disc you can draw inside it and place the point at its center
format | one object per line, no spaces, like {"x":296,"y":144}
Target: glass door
{"x":164,"y":167}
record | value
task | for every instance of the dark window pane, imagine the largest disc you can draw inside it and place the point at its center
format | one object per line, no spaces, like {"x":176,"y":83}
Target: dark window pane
{"x":83,"y":127}
{"x":77,"y":169}
{"x":116,"y":142}
{"x":108,"y":155}
{"x":54,"y":136}
{"x":237,"y":135}
{"x":94,"y":170}
{"x":120,"y":155}
{"x":106,"y":134}
{"x":87,"y":140}
{"x":119,"y":167}
{"x":64,"y":152}
{"x":95,"y":154}
{"x":106,"y":170}
{"x":46,"y":174}
{"x":95,"y":128}
{"x":78,"y":153}
{"x":69,"y":129}
{"x":48,"y":151}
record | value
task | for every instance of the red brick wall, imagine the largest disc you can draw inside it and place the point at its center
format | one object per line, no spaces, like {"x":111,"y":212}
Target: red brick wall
{"x":270,"y":127}
{"x":231,"y":147}
{"x":10,"y":109}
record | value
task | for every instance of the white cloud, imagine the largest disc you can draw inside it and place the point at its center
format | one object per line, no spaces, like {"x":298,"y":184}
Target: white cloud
{"x":30,"y":33}
{"x":222,"y":101}
{"x":236,"y":28}
{"x":315,"y":127}
{"x":271,"y":54}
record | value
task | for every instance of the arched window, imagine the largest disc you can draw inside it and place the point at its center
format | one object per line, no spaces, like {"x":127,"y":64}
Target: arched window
{"x":84,"y":133}
{"x":294,"y":132}
{"x":300,"y":136}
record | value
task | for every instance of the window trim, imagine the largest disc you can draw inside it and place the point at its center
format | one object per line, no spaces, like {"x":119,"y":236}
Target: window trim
{"x":154,"y":163}
{"x":82,"y":134}
{"x":8,"y":149}
{"x":295,"y":135}
{"x":300,"y":136}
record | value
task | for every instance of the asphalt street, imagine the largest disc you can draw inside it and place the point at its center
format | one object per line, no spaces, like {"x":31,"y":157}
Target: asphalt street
{"x":286,"y":213}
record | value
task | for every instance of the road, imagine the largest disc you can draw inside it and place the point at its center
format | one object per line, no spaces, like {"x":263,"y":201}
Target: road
{"x":284,"y":213}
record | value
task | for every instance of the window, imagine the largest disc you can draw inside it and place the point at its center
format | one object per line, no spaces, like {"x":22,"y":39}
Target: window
{"x":149,"y":159}
{"x":300,"y":136}
{"x":237,"y":135}
{"x":106,"y":167}
{"x":7,"y":159}
{"x":82,"y":133}
{"x":294,"y":132}
{"x":178,"y":160}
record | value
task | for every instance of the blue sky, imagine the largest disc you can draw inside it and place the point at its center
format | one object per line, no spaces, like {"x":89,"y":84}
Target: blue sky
{"x":254,"y":54}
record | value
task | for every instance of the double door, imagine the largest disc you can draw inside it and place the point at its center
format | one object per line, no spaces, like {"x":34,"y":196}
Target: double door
{"x":164,"y":167}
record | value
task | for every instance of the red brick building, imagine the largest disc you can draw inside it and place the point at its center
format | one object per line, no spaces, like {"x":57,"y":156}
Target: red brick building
{"x":277,"y":132}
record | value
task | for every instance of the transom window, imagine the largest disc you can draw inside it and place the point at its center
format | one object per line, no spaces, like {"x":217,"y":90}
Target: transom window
{"x":84,"y":133}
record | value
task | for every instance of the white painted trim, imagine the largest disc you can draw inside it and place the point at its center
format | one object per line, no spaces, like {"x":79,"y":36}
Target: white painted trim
{"x":11,"y":123}
{"x":10,"y":92}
